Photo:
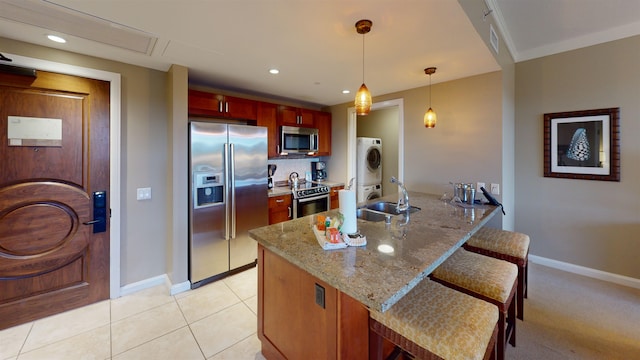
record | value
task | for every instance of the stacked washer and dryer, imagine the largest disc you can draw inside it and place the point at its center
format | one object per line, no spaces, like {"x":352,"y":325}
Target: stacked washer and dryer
{"x":369,"y":168}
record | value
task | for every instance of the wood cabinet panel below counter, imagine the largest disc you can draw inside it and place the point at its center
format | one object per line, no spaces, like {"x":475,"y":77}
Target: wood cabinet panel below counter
{"x":320,"y":321}
{"x":280,"y":209}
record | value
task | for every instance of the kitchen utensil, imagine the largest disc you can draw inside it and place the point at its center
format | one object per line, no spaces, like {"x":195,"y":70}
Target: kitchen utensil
{"x":272,"y":169}
{"x":293,"y":179}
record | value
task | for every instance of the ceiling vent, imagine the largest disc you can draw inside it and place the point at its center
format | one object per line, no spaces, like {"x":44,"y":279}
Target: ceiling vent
{"x":46,"y":15}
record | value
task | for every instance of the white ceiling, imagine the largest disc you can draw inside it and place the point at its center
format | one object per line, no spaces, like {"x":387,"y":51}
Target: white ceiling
{"x":231,"y":44}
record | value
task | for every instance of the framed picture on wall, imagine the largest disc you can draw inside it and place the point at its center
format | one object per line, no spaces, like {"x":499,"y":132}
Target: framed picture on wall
{"x":582,"y":144}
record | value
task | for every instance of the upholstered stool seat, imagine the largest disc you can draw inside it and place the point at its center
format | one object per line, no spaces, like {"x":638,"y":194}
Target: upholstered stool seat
{"x":436,"y":322}
{"x":505,"y":245}
{"x":486,"y":278}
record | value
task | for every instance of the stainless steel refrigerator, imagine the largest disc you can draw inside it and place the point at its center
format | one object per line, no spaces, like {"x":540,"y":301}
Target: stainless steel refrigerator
{"x":228,"y":187}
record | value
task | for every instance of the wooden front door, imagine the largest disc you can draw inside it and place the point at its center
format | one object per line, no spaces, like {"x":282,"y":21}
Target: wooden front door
{"x":50,"y":258}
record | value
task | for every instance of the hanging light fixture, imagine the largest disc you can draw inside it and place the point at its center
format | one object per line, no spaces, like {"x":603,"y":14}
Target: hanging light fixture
{"x":430,"y":116}
{"x":363,"y":96}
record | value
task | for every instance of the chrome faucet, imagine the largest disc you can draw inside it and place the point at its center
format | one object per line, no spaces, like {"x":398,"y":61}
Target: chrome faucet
{"x":403,"y":199}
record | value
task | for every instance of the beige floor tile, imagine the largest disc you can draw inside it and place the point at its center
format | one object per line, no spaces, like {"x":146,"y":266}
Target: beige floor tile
{"x":12,"y":339}
{"x":68,"y":324}
{"x":247,"y":349}
{"x":90,"y":345}
{"x":224,"y":329}
{"x":139,"y":302}
{"x":244,"y":284}
{"x":207,"y":300}
{"x":143,"y":327}
{"x":179,"y":344}
{"x":252,"y":303}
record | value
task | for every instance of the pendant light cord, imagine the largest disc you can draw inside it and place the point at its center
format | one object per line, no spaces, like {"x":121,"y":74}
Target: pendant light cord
{"x":363,"y":58}
{"x":429,"y":91}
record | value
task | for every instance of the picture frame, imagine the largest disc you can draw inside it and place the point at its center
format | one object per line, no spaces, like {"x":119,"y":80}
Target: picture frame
{"x":582,"y":144}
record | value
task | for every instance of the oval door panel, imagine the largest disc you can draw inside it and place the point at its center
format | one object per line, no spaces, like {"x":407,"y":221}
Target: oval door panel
{"x":36,"y":228}
{"x":39,"y":234}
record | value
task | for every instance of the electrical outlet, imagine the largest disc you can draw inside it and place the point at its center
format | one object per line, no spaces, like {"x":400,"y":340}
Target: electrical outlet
{"x":495,"y":189}
{"x":320,"y":295}
{"x":480,"y":185}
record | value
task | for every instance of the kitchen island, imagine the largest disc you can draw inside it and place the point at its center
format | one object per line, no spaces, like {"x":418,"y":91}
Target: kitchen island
{"x":315,"y":302}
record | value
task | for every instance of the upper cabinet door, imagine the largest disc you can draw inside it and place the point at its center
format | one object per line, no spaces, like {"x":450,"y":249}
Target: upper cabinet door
{"x":203,"y":103}
{"x":240,"y":108}
{"x":293,"y":116}
{"x":323,"y":123}
{"x":267,"y":117}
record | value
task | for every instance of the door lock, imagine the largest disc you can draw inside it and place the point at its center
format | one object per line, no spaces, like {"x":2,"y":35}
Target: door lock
{"x":99,"y":221}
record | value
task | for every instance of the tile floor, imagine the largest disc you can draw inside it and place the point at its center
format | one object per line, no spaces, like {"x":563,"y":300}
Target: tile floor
{"x":216,"y":321}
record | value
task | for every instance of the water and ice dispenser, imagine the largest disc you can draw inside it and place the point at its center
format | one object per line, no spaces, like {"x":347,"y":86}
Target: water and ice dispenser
{"x":208,"y":189}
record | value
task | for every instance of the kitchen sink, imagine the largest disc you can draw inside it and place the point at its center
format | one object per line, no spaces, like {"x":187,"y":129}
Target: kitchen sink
{"x":371,"y":215}
{"x":388,"y":207}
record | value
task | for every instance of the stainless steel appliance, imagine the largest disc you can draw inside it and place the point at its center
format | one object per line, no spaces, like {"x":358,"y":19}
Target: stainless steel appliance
{"x":310,"y":198}
{"x":319,"y":171}
{"x":228,"y":183}
{"x":298,"y":139}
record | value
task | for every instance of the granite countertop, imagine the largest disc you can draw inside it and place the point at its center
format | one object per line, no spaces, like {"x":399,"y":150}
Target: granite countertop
{"x":286,"y":190}
{"x":376,"y":279}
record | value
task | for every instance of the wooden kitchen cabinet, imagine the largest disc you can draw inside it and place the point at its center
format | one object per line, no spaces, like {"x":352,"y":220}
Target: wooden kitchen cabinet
{"x":301,"y":316}
{"x":280,"y":209}
{"x":323,"y":123}
{"x":293,"y":116}
{"x":334,"y":198}
{"x":202,"y":103}
{"x":267,"y":117}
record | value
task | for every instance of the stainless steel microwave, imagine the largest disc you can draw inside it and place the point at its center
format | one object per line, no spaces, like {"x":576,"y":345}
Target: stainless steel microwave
{"x":295,"y":139}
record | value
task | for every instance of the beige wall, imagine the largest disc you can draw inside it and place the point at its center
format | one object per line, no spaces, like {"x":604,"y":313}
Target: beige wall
{"x":595,"y":224}
{"x":144,"y":157}
{"x":383,"y":124}
{"x":465,"y":145}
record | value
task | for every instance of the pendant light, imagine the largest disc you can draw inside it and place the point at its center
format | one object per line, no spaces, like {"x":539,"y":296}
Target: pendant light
{"x":363,"y":96}
{"x":430,"y":116}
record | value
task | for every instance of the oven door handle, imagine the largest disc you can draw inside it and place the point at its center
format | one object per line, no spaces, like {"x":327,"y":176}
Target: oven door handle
{"x":303,"y":200}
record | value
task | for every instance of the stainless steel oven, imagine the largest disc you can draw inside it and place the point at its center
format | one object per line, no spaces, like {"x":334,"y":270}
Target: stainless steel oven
{"x":310,"y":199}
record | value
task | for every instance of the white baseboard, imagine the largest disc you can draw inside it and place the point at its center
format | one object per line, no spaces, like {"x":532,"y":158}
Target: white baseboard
{"x":585,"y":271}
{"x":143,"y":284}
{"x":181,"y":287}
{"x":155,"y":281}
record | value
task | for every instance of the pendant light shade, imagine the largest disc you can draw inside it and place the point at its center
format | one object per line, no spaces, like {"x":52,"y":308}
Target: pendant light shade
{"x":430,"y":117}
{"x":363,"y":100}
{"x":363,"y":96}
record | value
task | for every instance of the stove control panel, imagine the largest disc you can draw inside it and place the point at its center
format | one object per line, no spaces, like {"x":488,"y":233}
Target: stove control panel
{"x":310,"y":192}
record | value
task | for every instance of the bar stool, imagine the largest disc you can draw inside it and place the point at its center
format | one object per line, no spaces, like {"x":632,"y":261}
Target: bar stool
{"x":436,"y":322}
{"x":488,"y":279}
{"x":509,"y":246}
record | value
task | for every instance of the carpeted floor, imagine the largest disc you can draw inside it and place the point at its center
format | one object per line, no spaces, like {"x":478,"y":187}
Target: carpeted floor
{"x":569,"y":316}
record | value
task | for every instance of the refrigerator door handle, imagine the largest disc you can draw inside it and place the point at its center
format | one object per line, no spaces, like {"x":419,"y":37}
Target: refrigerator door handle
{"x":232,"y":181}
{"x":228,"y":190}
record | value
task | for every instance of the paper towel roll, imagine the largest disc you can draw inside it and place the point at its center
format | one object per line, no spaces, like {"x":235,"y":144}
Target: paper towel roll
{"x":348,"y":210}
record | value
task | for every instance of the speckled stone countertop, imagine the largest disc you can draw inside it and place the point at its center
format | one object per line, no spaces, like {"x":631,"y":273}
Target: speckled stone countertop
{"x":376,"y":279}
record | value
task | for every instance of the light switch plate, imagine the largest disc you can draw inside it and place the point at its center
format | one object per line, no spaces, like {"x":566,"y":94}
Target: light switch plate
{"x":143,"y":194}
{"x":495,"y":189}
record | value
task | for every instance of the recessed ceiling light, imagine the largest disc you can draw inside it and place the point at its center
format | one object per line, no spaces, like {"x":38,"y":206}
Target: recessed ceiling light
{"x":346,"y":92}
{"x":56,"y":38}
{"x":274,"y":71}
